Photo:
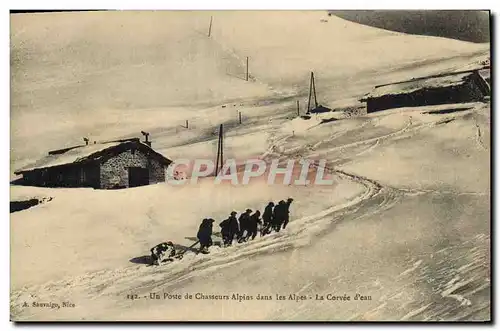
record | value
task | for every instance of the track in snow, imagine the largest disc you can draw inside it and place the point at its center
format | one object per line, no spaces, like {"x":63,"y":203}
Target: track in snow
{"x":115,"y":284}
{"x":143,"y":280}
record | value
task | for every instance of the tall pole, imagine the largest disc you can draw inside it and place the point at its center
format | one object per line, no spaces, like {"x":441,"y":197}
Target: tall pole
{"x":310,"y":91}
{"x":219,"y":152}
{"x":298,"y":109}
{"x":239,"y":114}
{"x":314,"y":90}
{"x":221,"y":146}
{"x":218,"y":155}
{"x":210,"y":27}
{"x":247,"y":70}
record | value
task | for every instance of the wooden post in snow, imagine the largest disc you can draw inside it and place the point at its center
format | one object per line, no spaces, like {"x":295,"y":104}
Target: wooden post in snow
{"x":298,"y":109}
{"x":239,"y":114}
{"x":187,"y":124}
{"x":247,"y":70}
{"x":221,"y":145}
{"x":210,"y":26}
{"x":220,"y":155}
{"x":312,"y":92}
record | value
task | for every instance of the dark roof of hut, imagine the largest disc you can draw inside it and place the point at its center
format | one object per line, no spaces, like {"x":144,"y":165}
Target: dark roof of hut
{"x":418,"y":84}
{"x":85,"y":153}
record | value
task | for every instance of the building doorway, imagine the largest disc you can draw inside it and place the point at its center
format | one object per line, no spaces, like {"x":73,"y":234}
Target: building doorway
{"x":138,"y":176}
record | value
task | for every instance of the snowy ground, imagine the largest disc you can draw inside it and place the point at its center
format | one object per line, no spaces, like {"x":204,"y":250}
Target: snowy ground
{"x":406,"y":221}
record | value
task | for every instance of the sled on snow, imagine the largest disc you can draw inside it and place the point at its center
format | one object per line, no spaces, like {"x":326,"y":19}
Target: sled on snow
{"x":165,"y":252}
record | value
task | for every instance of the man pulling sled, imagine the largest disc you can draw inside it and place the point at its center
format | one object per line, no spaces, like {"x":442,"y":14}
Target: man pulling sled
{"x":275,"y":217}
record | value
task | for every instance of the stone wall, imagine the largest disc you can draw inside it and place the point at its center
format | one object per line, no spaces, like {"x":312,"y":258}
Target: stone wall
{"x":156,"y":172}
{"x":114,"y":172}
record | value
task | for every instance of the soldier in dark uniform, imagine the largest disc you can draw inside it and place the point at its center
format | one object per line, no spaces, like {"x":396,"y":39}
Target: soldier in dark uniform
{"x":205,"y":234}
{"x":286,"y":212}
{"x":267,"y":217}
{"x":278,"y":215}
{"x":243,"y":224}
{"x":229,"y":228}
{"x":253,"y":222}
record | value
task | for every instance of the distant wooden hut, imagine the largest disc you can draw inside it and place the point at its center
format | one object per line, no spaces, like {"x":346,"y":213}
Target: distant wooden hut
{"x":114,"y":164}
{"x":458,"y":87}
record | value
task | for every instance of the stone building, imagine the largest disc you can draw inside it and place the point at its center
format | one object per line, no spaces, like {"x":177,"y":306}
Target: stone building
{"x":109,"y":165}
{"x":458,"y":87}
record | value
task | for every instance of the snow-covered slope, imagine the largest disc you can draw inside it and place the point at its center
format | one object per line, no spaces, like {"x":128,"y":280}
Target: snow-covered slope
{"x":109,"y":74}
{"x":72,"y":238}
{"x":406,"y":222}
{"x":386,"y":236}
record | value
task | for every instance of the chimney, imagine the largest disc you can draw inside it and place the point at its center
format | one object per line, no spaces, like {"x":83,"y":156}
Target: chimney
{"x":146,"y":136}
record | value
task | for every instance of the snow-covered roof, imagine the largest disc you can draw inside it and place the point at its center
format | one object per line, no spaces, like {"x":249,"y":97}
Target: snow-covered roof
{"x":485,"y":73}
{"x":417,"y":84}
{"x":77,"y":154}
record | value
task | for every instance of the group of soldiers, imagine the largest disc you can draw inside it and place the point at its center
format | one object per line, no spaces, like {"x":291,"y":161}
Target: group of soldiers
{"x":246,"y":226}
